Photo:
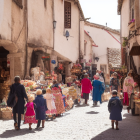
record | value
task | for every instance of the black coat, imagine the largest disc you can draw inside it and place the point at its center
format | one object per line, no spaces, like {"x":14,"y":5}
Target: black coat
{"x":115,"y":108}
{"x":21,"y":94}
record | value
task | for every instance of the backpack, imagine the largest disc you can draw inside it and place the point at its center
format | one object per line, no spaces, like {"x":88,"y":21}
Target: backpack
{"x":12,"y":98}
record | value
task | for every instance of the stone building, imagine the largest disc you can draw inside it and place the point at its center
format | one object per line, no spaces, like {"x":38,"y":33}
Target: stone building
{"x":130,"y":29}
{"x":130,"y":35}
{"x":105,"y":39}
{"x":31,"y":29}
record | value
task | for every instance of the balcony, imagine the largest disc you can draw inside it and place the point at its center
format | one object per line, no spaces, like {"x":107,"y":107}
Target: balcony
{"x":131,"y":25}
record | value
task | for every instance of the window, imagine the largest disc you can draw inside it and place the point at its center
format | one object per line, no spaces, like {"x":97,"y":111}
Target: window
{"x":18,"y":3}
{"x":132,"y":9}
{"x":67,"y":14}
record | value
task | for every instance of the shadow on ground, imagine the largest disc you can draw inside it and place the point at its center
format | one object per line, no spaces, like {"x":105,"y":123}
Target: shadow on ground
{"x":15,"y":133}
{"x":92,"y":112}
{"x":129,"y":130}
{"x":83,"y":105}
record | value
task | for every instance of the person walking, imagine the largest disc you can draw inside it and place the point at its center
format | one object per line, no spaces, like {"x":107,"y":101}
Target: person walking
{"x":30,"y":113}
{"x":98,"y":89}
{"x":86,"y":87}
{"x":115,"y":108}
{"x":102,"y":78}
{"x":40,"y":108}
{"x":19,"y":90}
{"x":114,"y":83}
{"x":128,"y":87}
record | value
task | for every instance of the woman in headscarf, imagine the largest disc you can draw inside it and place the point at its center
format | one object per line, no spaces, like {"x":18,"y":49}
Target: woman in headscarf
{"x":98,"y":89}
{"x":128,"y":88}
{"x":86,"y":87}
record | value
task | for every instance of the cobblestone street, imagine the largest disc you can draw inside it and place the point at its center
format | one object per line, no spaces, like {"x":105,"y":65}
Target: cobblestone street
{"x":80,"y":123}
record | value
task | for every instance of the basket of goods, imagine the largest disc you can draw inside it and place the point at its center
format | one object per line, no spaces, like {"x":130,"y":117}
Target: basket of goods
{"x":69,"y":80}
{"x":6,"y":113}
{"x":65,"y":91}
{"x":136,"y":97}
{"x":73,"y":93}
{"x":77,"y":66}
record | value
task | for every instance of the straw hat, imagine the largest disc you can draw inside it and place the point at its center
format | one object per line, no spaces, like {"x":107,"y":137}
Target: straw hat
{"x":39,"y":92}
{"x":48,"y":91}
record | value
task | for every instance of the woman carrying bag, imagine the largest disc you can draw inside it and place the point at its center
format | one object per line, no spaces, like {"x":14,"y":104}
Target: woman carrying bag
{"x":16,"y":100}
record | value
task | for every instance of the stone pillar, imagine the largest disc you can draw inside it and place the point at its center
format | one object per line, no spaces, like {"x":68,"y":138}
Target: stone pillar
{"x":29,"y":56}
{"x":16,"y":68}
{"x":67,"y":69}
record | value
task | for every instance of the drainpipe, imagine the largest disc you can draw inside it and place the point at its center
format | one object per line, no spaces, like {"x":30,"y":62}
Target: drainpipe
{"x":79,"y":39}
{"x":121,"y":39}
{"x":26,"y":37}
{"x":53,"y":25}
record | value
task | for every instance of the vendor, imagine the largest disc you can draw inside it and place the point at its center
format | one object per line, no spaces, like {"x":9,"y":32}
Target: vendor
{"x":59,"y":77}
{"x":55,"y":84}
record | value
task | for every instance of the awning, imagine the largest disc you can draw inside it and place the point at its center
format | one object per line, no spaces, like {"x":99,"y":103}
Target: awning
{"x":135,"y":50}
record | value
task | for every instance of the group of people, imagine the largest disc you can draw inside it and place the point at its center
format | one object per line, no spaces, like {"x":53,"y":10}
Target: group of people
{"x":115,"y":105}
{"x":50,"y":102}
{"x":46,"y":103}
{"x":97,"y":87}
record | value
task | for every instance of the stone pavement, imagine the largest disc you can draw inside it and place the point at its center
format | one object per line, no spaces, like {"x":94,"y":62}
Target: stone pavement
{"x":80,"y":123}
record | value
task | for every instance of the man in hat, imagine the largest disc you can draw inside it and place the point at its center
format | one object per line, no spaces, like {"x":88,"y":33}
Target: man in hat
{"x":86,"y":87}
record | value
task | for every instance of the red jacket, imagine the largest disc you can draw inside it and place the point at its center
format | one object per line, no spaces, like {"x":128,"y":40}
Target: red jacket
{"x":86,"y":85}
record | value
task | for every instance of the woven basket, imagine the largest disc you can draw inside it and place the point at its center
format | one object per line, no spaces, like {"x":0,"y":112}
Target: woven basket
{"x":6,"y":115}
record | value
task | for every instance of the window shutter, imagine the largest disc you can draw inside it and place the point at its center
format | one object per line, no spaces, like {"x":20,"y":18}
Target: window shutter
{"x":137,"y":13}
{"x":67,"y":15}
{"x":45,"y":3}
{"x":18,"y":3}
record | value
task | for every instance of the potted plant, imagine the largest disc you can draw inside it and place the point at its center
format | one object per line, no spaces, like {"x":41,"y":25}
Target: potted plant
{"x":125,"y":42}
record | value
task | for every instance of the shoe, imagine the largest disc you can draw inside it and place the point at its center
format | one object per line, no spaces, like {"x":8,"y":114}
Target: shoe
{"x":17,"y":128}
{"x":15,"y":125}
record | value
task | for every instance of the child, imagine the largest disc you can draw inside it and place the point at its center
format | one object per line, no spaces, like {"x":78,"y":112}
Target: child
{"x":50,"y":103}
{"x":41,"y":108}
{"x":30,"y":113}
{"x":115,"y":109}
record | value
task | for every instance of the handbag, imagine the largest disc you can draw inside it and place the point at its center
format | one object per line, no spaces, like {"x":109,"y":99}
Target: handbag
{"x":12,"y":98}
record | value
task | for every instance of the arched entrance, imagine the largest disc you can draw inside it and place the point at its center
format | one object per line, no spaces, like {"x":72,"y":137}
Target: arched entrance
{"x":4,"y":73}
{"x":37,"y":61}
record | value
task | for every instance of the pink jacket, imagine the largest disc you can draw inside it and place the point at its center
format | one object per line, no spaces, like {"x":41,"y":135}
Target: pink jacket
{"x":86,"y":85}
{"x":30,"y":109}
{"x":128,"y":85}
